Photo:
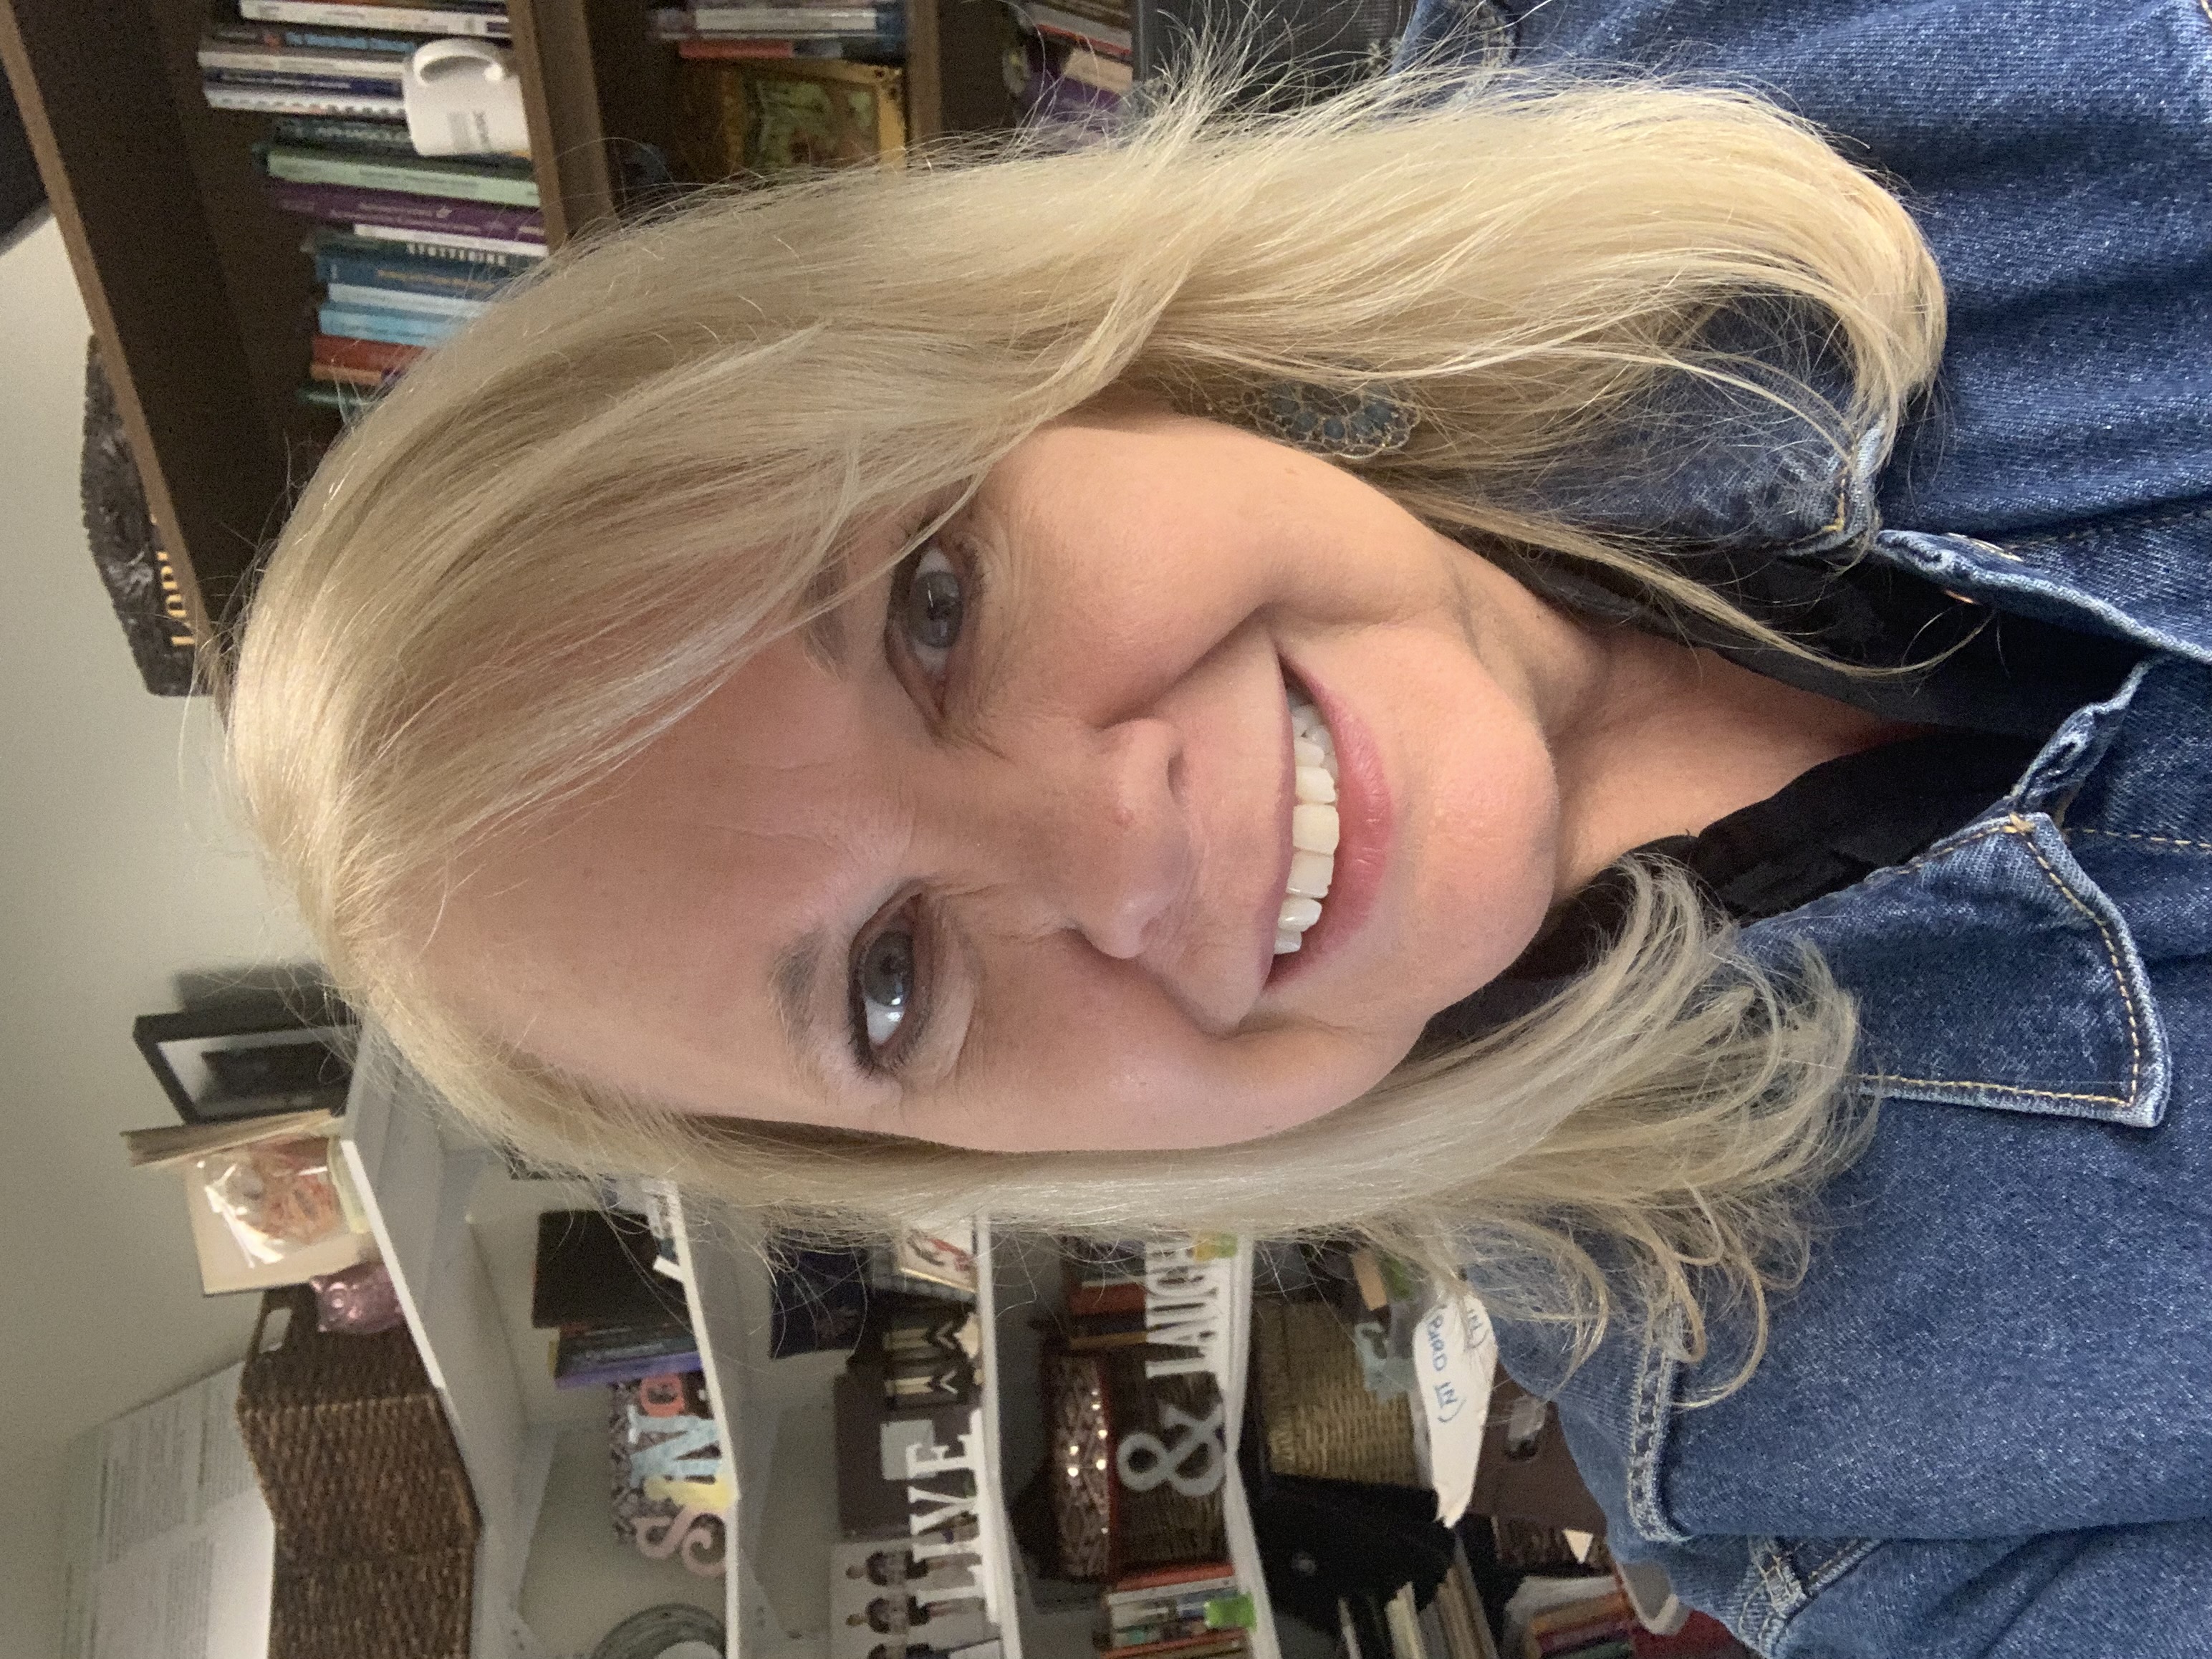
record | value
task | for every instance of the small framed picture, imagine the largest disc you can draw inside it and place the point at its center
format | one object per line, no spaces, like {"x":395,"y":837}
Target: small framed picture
{"x":757,"y":118}
{"x":250,"y":1060}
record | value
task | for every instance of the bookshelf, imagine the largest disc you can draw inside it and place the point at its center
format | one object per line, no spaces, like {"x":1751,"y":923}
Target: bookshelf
{"x":196,"y":285}
{"x":455,"y":1229}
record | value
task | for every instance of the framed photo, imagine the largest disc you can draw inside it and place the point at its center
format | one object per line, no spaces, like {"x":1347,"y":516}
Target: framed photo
{"x":760,"y":117}
{"x":250,"y":1060}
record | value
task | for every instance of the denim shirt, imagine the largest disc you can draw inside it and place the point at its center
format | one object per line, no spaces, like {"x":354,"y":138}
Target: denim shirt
{"x":1984,"y":1425}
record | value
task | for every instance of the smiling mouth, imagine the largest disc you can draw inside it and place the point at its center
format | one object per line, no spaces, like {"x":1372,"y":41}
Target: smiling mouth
{"x":1314,"y":826}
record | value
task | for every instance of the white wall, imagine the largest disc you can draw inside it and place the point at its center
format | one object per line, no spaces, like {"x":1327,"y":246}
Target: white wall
{"x":118,"y":868}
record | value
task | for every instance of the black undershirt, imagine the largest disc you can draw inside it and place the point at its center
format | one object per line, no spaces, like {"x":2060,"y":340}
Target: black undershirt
{"x":2006,"y":684}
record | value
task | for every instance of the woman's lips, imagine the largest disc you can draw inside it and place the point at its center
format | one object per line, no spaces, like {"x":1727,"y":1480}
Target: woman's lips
{"x":1364,"y":821}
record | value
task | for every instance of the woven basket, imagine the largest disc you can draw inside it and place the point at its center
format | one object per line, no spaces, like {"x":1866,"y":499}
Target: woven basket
{"x":376,"y":1526}
{"x":1320,"y":1421}
{"x":388,"y":1606}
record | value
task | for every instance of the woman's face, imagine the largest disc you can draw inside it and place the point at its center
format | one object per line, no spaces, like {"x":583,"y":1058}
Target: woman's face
{"x":997,"y":855}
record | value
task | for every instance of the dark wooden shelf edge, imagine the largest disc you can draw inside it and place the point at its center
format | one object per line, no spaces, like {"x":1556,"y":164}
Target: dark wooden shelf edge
{"x":560,"y":98}
{"x":89,"y":77}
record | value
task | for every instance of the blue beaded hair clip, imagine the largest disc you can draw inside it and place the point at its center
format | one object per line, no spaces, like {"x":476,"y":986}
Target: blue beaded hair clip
{"x":1346,"y":426}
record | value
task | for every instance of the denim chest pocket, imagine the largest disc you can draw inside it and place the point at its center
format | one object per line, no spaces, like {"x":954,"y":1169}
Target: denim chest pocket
{"x":1993,"y":972}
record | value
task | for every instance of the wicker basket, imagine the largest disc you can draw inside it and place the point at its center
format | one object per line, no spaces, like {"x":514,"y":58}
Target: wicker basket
{"x":1319,"y":1417}
{"x":376,"y":1526}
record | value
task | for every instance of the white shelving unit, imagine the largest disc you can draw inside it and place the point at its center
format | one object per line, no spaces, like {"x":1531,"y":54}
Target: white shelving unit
{"x":417,"y":1190}
{"x":440,"y":1206}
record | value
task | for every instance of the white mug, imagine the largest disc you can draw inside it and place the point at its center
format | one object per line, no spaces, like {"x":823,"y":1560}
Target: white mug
{"x":463,"y":98}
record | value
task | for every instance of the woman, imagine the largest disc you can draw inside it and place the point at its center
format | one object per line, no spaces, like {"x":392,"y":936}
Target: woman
{"x":1375,"y":672}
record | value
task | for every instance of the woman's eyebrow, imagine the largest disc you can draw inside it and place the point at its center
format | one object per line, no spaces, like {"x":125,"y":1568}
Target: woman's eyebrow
{"x":792,"y":978}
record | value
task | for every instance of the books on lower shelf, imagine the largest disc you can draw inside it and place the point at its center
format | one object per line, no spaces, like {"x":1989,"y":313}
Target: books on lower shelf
{"x":412,"y":247}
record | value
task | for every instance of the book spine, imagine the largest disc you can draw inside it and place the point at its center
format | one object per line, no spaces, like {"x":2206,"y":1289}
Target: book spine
{"x":1087,"y":1301}
{"x":775,"y":21}
{"x":351,"y":351}
{"x":341,"y":85}
{"x":452,"y":279}
{"x":378,"y":136}
{"x":346,"y":399}
{"x":1083,"y":30}
{"x":797,"y":19}
{"x":283,"y":100}
{"x":1170,"y":1589}
{"x":621,"y":1370}
{"x":1606,"y":1605}
{"x":310,"y":40}
{"x":409,"y":300}
{"x":309,"y":166}
{"x":340,"y":65}
{"x":1164,"y":1578}
{"x":450,"y":244}
{"x":394,"y":328}
{"x":396,"y":210}
{"x":335,"y":375}
{"x":1109,"y":13}
{"x":480,"y":25}
{"x":1210,"y":1644}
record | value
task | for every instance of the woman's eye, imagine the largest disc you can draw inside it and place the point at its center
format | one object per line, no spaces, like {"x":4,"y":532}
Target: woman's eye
{"x":932,"y":600}
{"x":883,"y":988}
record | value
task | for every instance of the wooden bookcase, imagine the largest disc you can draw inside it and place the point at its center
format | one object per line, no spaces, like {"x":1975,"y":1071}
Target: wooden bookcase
{"x":196,"y":288}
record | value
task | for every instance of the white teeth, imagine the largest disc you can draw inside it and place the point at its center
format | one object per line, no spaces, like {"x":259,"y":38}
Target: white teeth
{"x":1313,"y":828}
{"x":1309,"y":874}
{"x":1313,"y":825}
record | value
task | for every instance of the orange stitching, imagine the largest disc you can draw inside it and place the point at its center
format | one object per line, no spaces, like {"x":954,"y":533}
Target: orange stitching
{"x":2025,"y":830}
{"x":2128,"y":834}
{"x":1996,"y":1088}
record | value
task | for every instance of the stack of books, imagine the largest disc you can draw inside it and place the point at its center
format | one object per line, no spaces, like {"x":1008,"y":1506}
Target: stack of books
{"x":874,"y":30}
{"x":408,"y":247}
{"x":618,"y":1318}
{"x":1079,"y":61}
{"x":1196,"y":1611}
{"x":1105,"y":1287}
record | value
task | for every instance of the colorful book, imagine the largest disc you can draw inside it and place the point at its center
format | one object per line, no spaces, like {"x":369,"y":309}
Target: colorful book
{"x":403,"y":20}
{"x":393,"y":327}
{"x":328,"y":86}
{"x":1088,"y":1301}
{"x":673,"y":23}
{"x":251,"y":62}
{"x":336,"y":131}
{"x":298,"y":37}
{"x":1193,"y":1573}
{"x":293,"y":101}
{"x":454,"y":180}
{"x":369,"y":265}
{"x":404,"y":299}
{"x":1210,"y":1644}
{"x":334,"y":375}
{"x":350,"y":351}
{"x":396,"y":210}
{"x":453,"y":242}
{"x":1103,"y":25}
{"x":348,"y":401}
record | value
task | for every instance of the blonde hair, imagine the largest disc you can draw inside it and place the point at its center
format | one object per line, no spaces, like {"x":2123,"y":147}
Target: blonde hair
{"x":568,"y":524}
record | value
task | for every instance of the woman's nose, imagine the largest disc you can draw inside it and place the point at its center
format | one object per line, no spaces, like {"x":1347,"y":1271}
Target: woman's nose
{"x":1094,"y":834}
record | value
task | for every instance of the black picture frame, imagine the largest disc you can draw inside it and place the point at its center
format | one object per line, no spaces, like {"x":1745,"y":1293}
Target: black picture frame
{"x":252,"y":1058}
